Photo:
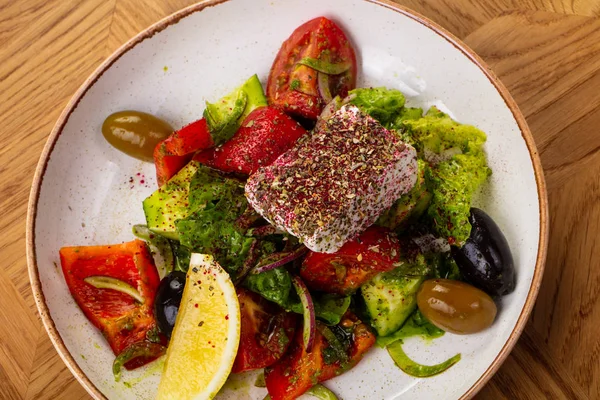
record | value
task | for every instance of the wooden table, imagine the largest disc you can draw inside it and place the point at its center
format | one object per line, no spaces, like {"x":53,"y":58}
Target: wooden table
{"x":547,"y":52}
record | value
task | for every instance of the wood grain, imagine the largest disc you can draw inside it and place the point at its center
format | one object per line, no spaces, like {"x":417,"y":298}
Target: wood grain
{"x":547,"y":52}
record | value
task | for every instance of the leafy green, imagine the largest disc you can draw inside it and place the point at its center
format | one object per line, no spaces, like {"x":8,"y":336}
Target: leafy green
{"x":276,"y":285}
{"x":215,"y":203}
{"x":182,"y":256}
{"x":210,"y":190}
{"x":385,"y":105}
{"x":446,"y":268}
{"x":329,"y":308}
{"x":413,"y":368}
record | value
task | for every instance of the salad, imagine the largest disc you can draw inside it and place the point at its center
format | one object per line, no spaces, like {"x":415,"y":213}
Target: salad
{"x":295,"y":229}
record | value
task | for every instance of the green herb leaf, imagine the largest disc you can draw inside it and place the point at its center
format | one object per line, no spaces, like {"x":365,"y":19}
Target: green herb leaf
{"x":215,"y":203}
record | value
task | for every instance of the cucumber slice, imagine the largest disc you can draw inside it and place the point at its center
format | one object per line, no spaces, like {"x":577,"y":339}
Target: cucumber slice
{"x":169,"y":204}
{"x":226,"y":115}
{"x":222,"y":116}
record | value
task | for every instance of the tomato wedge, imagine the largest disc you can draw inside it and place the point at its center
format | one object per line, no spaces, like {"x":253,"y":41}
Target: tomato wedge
{"x":376,"y":250}
{"x":122,"y":318}
{"x":314,"y":65}
{"x":298,"y":370}
{"x":265,"y":134}
{"x":266,"y":332}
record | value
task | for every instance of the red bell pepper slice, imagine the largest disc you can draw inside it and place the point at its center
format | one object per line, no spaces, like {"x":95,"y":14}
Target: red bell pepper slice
{"x":189,"y":139}
{"x":122,"y":320}
{"x":177,"y":150}
{"x":265,"y":134}
{"x":297,"y":371}
{"x":167,"y":164}
{"x":376,"y":250}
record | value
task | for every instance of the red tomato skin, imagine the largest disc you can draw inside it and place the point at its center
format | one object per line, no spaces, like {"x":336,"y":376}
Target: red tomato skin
{"x":319,"y":38}
{"x":121,"y":320}
{"x":376,"y":250}
{"x":265,"y":134}
{"x":266,"y":332}
{"x":298,"y":371}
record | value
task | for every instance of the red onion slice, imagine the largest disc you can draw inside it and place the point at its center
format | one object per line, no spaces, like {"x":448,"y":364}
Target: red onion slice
{"x":324,"y":90}
{"x":247,"y":219}
{"x":251,"y":260}
{"x":265,"y":230}
{"x":328,"y":112}
{"x":310,"y":324}
{"x":281,"y":259}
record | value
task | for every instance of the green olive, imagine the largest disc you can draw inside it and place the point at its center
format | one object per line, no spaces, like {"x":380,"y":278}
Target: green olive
{"x":135,"y":133}
{"x":455,"y":306}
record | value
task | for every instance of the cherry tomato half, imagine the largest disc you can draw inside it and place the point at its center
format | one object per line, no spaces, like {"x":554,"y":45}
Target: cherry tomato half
{"x":266,"y":332}
{"x":316,"y":63}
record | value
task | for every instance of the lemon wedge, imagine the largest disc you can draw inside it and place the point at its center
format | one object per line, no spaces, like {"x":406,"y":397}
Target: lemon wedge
{"x":206,"y":336}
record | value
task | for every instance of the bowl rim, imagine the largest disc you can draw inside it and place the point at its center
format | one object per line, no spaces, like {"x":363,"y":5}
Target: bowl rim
{"x":174,"y":18}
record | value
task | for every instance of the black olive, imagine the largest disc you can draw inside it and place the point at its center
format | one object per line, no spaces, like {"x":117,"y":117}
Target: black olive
{"x":485,"y":260}
{"x":168,"y":298}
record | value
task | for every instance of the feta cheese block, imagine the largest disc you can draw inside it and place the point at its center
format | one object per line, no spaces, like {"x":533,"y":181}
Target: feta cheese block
{"x":335,"y":182}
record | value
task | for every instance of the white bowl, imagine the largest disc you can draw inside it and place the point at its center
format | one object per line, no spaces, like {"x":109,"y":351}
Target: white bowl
{"x":83,"y":195}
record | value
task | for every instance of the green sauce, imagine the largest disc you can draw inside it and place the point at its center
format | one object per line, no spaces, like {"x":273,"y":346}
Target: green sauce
{"x":415,"y":325}
{"x":415,"y":369}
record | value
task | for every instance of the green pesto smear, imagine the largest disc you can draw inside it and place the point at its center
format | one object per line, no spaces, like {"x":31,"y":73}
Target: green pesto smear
{"x":415,"y":325}
{"x":453,"y":162}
